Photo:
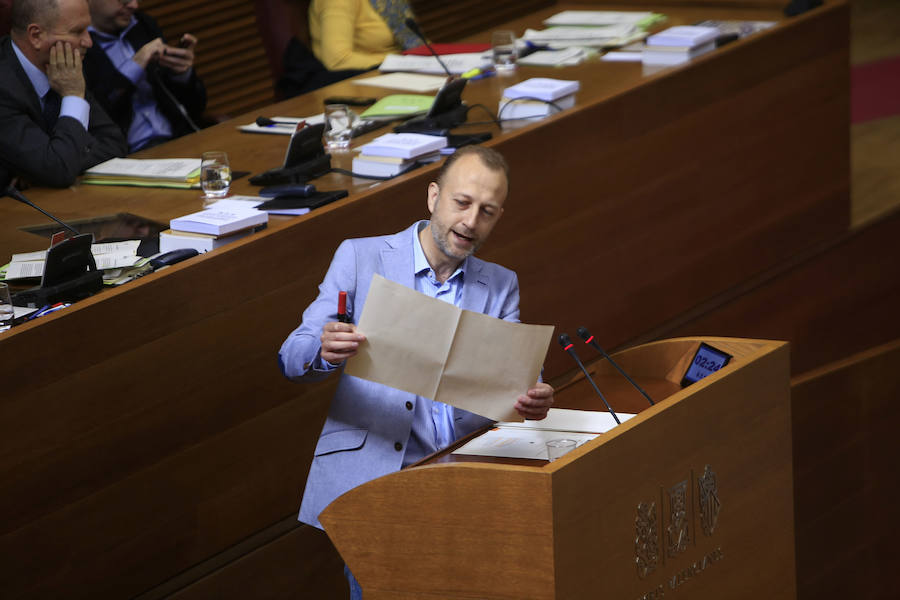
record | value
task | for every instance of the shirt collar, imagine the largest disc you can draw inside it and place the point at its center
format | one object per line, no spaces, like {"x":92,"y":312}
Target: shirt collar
{"x":38,"y":79}
{"x":420,"y":263}
{"x":108,"y":38}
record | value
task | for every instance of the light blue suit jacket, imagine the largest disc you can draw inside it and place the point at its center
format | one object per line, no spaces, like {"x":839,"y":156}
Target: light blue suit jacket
{"x":369,"y":424}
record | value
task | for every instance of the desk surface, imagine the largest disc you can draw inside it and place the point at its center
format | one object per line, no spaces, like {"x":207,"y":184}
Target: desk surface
{"x":153,"y":416}
{"x":600,"y":81}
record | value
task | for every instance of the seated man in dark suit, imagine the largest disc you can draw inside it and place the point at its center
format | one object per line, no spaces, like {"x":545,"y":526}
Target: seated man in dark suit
{"x":51,"y":129}
{"x":148,"y":87}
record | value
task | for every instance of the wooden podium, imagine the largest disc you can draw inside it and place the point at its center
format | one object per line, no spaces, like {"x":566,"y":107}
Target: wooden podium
{"x":692,"y":498}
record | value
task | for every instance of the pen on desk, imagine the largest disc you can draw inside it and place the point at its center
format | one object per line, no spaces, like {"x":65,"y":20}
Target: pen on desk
{"x":342,"y":316}
{"x":483,"y":74}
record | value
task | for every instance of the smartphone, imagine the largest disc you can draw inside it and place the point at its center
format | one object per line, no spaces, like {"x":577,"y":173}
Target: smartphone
{"x":350,"y":100}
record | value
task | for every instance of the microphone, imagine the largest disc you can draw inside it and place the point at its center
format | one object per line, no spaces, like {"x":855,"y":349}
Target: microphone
{"x":567,"y":344}
{"x":15,"y":194}
{"x":414,"y":27}
{"x":584,"y":334}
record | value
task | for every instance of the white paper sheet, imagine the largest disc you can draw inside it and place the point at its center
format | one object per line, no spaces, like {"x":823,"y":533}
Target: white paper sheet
{"x":413,"y":82}
{"x":509,"y":442}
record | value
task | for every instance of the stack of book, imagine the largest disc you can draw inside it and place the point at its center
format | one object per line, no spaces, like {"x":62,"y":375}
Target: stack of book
{"x":223,"y":223}
{"x":395,"y":153}
{"x":680,"y":44}
{"x":537,"y":97}
{"x":146,"y":172}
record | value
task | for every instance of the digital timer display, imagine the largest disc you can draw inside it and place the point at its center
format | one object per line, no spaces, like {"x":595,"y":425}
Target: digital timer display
{"x":707,"y":360}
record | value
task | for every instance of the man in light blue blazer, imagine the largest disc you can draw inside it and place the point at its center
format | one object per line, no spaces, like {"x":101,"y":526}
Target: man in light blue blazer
{"x":372,"y":429}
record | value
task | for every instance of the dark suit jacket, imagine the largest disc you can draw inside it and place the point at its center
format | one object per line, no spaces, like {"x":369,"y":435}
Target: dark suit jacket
{"x":115,"y":92}
{"x":29,"y":148}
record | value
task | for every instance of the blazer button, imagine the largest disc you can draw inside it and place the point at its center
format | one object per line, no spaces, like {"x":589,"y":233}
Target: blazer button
{"x":408,"y":405}
{"x":398,"y":446}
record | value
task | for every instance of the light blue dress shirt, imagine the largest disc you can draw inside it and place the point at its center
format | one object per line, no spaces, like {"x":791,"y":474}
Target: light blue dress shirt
{"x":148,"y":122}
{"x":72,"y":106}
{"x":432,"y":427}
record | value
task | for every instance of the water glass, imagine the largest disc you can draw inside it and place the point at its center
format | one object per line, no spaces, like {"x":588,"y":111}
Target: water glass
{"x":215,"y":175}
{"x":7,"y":313}
{"x":505,"y":53}
{"x":559,"y":448}
{"x":339,"y":122}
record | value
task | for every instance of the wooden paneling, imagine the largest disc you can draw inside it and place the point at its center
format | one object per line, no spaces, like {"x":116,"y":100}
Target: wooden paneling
{"x":836,"y":301}
{"x":845,"y":422}
{"x":444,"y":21}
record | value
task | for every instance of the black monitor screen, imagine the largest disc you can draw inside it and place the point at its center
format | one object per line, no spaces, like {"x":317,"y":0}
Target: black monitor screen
{"x":707,"y":360}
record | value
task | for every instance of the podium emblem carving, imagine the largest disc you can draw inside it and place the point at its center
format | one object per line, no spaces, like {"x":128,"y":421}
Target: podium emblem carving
{"x":709,"y":501}
{"x":646,"y":546}
{"x":678,"y":533}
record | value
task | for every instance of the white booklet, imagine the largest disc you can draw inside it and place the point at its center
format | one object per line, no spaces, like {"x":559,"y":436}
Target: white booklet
{"x":220,"y":219}
{"x":403,"y":145}
{"x":542,"y":88}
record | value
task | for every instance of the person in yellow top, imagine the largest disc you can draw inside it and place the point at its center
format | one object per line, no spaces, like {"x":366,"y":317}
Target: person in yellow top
{"x":357,"y":34}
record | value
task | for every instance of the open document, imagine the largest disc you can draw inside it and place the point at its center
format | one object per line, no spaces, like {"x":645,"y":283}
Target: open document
{"x":433,"y":349}
{"x":529,"y":439}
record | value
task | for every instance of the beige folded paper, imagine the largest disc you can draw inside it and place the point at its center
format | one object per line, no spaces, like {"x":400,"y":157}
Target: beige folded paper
{"x":434,"y":349}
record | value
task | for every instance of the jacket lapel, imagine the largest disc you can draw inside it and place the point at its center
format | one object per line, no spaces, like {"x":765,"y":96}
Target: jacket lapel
{"x":475,"y":288}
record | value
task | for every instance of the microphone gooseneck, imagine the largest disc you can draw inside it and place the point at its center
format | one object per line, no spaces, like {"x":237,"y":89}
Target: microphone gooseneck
{"x":414,"y":27}
{"x":566,"y":342}
{"x":585,"y":335}
{"x":15,"y":194}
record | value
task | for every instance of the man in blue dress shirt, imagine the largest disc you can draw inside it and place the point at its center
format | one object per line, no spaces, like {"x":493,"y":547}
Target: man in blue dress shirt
{"x":52,"y":129}
{"x":147,"y":86}
{"x":373,"y":430}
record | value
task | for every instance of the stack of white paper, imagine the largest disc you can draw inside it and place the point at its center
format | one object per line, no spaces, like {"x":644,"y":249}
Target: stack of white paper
{"x":456,"y":63}
{"x":395,"y":153}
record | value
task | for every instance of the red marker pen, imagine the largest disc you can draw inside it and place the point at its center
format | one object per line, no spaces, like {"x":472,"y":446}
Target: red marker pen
{"x":343,"y":317}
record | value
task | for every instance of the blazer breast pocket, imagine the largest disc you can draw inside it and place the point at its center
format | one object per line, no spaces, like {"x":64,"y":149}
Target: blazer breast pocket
{"x":341,"y":441}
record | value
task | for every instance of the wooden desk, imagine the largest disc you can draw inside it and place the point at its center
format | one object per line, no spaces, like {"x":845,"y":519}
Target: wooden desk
{"x":148,"y":428}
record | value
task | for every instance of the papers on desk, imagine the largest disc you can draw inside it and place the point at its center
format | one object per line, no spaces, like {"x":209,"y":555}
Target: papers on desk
{"x":283,"y":125}
{"x":411,"y":82}
{"x":110,"y":255}
{"x":434,"y":349}
{"x":556,"y":58}
{"x":157,"y":172}
{"x":599,"y":18}
{"x":529,"y":438}
{"x":456,"y":63}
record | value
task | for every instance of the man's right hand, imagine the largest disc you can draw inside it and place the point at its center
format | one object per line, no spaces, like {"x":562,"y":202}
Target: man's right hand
{"x":340,"y":341}
{"x":64,"y":70}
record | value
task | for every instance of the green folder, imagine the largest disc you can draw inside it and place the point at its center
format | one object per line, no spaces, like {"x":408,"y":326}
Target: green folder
{"x":399,"y":106}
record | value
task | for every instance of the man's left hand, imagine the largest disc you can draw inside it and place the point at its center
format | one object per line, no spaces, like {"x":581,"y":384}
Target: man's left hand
{"x":179,"y":59}
{"x":536,"y":401}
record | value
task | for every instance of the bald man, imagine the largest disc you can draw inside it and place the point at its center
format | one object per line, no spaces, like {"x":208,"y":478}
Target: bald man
{"x":52,"y":128}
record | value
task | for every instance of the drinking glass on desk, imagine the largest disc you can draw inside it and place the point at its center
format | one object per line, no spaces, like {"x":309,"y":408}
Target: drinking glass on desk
{"x":504,"y":51}
{"x":215,"y":176}
{"x":339,"y":122}
{"x":7,"y":313}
